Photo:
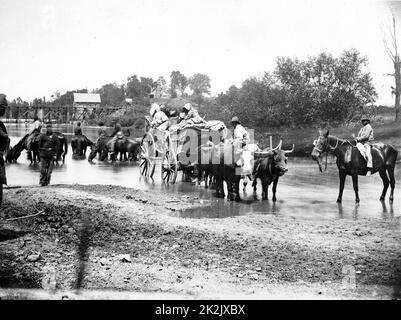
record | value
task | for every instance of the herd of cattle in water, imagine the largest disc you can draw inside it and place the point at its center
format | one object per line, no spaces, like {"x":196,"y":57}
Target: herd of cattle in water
{"x":267,"y":165}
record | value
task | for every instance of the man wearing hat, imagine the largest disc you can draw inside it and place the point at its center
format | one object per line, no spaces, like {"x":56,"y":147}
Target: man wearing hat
{"x":49,"y":145}
{"x":4,"y":143}
{"x":364,"y":141}
{"x":240,"y":135}
{"x":190,"y":116}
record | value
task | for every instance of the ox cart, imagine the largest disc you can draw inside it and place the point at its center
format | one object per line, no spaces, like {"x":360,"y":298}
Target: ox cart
{"x":176,"y":149}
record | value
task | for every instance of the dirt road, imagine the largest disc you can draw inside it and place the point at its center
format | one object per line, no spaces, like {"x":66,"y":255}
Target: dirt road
{"x":138,"y":246}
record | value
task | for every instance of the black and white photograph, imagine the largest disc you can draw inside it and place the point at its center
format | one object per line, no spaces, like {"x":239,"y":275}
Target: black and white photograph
{"x":196,"y":150}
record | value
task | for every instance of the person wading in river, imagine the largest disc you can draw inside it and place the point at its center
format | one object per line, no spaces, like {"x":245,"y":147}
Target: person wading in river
{"x":49,"y":145}
{"x":4,"y":144}
{"x":78,"y":129}
{"x":116,"y":134}
{"x":364,"y":142}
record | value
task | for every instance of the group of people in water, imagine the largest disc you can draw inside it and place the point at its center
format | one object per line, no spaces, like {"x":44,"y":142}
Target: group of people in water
{"x":189,"y":116}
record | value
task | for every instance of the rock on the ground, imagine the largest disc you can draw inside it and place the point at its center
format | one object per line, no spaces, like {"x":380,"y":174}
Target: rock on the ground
{"x":33,"y":257}
{"x":124,"y":258}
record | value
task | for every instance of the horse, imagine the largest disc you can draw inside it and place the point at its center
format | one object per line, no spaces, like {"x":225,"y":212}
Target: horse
{"x":125,"y":145}
{"x":100,"y":147}
{"x":79,"y":143}
{"x":351,"y":162}
{"x":33,"y":151}
{"x":63,"y":149}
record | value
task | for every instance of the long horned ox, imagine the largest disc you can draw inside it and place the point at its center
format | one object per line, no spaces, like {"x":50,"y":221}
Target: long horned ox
{"x":269,"y":166}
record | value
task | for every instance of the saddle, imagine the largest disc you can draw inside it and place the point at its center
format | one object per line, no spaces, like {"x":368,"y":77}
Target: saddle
{"x":362,"y":150}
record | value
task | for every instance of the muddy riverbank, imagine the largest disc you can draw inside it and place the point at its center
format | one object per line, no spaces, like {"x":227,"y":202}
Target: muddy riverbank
{"x":137,"y":243}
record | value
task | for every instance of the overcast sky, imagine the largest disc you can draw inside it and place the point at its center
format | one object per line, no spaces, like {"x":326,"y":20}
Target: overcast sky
{"x":49,"y":45}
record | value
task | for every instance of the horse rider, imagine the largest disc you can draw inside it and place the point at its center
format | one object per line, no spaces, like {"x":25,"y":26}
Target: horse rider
{"x":78,"y":129}
{"x":190,"y":116}
{"x":102,"y":130}
{"x":36,"y":126}
{"x":159,"y":118}
{"x":117,"y":134}
{"x":364,"y":142}
{"x":240,"y":135}
{"x":4,"y":141}
{"x":49,"y":146}
{"x":78,"y":132}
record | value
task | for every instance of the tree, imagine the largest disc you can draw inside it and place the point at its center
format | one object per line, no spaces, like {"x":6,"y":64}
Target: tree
{"x":325,"y":89}
{"x":161,"y":85}
{"x":111,"y":94}
{"x":178,"y":81}
{"x":139,"y":88}
{"x":392,"y":51}
{"x":199,"y":84}
{"x":318,"y":90}
{"x":55,"y":96}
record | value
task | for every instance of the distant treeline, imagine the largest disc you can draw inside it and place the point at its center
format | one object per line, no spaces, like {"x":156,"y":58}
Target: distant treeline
{"x":320,"y":90}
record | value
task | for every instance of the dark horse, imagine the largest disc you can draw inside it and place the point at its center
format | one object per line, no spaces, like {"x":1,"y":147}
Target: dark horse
{"x":124,"y":146}
{"x":351,"y":162}
{"x":100,"y":147}
{"x":14,"y":152}
{"x":33,"y":151}
{"x":79,"y":144}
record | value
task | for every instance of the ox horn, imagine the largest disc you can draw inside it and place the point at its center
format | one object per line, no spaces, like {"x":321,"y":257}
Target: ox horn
{"x":278,"y":146}
{"x":289,"y":151}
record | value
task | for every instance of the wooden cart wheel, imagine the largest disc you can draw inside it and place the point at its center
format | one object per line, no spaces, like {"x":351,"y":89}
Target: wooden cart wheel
{"x":169,"y":167}
{"x":147,"y":156}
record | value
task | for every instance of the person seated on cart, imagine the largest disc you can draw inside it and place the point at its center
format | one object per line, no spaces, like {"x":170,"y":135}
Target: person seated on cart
{"x":190,"y":116}
{"x":159,"y":118}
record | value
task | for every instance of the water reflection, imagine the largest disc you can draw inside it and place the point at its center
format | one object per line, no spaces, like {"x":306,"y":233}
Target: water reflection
{"x":340,"y":210}
{"x":355,"y":212}
{"x":301,"y":192}
{"x":387,"y":214}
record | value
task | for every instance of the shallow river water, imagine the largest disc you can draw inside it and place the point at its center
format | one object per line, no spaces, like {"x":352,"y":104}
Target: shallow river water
{"x":302,"y":191}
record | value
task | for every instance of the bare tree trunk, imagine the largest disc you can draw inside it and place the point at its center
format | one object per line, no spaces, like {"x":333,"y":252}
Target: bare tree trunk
{"x":397,"y":75}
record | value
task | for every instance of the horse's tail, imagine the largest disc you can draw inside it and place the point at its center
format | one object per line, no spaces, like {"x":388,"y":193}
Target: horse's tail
{"x":392,"y":155}
{"x":65,"y":145}
{"x":73,"y":144}
{"x":79,"y":146}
